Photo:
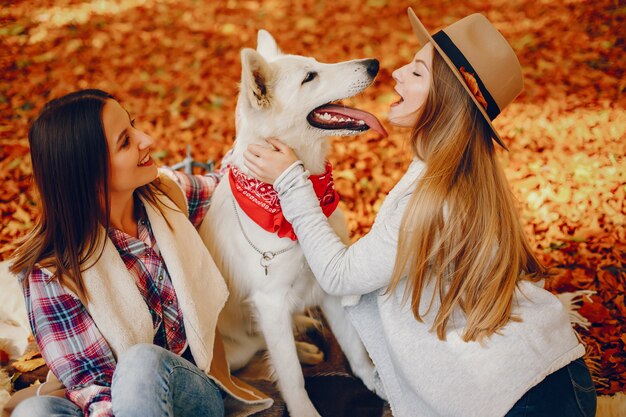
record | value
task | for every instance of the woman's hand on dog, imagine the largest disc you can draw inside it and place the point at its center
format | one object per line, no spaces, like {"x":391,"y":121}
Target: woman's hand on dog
{"x":267,"y":163}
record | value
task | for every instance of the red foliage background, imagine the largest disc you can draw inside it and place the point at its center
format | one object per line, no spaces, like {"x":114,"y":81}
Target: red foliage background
{"x":175,"y":66}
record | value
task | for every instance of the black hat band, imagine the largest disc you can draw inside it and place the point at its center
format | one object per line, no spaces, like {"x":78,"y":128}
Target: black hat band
{"x":459,"y":61}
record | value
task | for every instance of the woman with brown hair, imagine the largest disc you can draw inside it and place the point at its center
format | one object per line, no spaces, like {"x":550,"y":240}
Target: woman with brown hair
{"x":121,"y":293}
{"x":451,"y":307}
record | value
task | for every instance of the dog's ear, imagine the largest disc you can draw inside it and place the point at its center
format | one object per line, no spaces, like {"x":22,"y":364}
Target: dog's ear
{"x":256,"y":77}
{"x":266,"y":45}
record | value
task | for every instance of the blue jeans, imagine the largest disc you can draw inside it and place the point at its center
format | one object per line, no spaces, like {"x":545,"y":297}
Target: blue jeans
{"x":148,"y":381}
{"x":568,"y":392}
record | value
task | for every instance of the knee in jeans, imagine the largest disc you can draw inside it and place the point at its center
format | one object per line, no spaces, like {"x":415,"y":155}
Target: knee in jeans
{"x":34,"y":407}
{"x":143,"y":355}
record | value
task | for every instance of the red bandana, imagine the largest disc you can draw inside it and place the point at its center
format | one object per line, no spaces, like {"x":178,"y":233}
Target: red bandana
{"x":260,"y":202}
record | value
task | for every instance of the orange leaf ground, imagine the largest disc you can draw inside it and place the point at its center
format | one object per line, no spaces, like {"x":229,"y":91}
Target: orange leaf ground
{"x":175,"y":66}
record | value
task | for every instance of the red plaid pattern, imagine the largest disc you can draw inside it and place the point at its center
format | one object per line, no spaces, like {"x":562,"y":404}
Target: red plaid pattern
{"x":142,"y":258}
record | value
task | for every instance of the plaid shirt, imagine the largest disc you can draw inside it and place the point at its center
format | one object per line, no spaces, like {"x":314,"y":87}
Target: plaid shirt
{"x":66,"y":334}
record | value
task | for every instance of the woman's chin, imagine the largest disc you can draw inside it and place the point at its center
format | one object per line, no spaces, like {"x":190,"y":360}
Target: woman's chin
{"x":155,"y":172}
{"x":404,"y":119}
{"x":150,"y":175}
{"x":400,"y":122}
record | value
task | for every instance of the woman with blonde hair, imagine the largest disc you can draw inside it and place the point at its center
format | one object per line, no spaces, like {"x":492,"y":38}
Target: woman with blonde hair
{"x":451,"y":307}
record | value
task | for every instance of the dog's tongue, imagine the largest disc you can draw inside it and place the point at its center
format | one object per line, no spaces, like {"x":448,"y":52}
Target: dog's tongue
{"x":357,"y":114}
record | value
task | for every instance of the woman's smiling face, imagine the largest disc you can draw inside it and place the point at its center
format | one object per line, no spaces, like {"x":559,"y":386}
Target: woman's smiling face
{"x":413,"y":83}
{"x":129,"y":150}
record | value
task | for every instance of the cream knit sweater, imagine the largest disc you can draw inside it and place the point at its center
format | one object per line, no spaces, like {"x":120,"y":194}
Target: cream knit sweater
{"x":420,"y":374}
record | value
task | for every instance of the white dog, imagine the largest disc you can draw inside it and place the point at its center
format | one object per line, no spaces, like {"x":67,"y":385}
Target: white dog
{"x":287,"y":97}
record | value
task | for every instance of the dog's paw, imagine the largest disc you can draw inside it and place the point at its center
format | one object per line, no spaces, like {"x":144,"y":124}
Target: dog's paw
{"x":309,"y":354}
{"x":302,"y":324}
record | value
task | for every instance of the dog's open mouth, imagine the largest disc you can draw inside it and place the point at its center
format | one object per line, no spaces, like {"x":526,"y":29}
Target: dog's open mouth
{"x":340,"y":117}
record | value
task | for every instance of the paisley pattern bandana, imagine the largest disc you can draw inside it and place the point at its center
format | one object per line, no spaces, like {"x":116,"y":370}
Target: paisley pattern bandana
{"x":260,"y":201}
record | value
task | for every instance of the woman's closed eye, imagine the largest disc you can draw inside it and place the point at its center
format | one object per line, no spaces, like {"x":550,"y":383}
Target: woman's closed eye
{"x":416,"y":74}
{"x":126,"y":141}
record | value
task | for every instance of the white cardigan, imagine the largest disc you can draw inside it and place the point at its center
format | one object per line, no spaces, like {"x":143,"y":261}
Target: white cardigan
{"x":419,"y":374}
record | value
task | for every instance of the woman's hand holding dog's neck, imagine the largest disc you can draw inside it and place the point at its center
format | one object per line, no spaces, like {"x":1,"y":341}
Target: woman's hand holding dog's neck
{"x":267,"y":163}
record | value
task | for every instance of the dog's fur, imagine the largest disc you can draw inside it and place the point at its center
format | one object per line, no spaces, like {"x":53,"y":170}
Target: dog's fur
{"x":274,"y":102}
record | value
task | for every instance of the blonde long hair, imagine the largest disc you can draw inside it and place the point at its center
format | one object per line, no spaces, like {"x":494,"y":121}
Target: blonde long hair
{"x":461,"y":229}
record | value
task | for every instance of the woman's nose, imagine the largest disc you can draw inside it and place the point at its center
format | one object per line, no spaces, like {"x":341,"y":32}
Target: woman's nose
{"x":396,"y":74}
{"x":145,"y":141}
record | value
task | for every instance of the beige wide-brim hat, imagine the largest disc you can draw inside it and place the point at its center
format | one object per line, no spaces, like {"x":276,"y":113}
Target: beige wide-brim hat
{"x":481,"y":59}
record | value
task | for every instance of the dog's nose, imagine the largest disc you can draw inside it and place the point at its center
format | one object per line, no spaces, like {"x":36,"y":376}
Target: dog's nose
{"x":372,"y":67}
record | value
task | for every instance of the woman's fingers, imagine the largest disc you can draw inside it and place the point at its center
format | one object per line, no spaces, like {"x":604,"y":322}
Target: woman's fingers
{"x":266,"y":152}
{"x":278,"y":144}
{"x":253,"y":173}
{"x":249,"y":154}
{"x":268,"y":163}
{"x":257,"y":150}
{"x":255,"y":164}
{"x":254,"y":170}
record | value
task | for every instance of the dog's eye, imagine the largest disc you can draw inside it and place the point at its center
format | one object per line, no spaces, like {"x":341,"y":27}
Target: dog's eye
{"x":310,"y":76}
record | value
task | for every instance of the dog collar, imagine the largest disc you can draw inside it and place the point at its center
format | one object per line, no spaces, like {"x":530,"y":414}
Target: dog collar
{"x":260,"y":201}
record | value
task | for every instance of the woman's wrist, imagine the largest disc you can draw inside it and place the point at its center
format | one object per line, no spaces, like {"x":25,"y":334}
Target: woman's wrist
{"x":288,"y":175}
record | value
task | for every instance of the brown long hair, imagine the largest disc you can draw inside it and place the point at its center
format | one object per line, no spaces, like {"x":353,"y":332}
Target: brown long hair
{"x":461,"y":230}
{"x":71,"y":170}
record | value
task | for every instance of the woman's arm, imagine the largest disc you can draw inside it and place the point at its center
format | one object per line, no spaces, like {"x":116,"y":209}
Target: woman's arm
{"x":70,"y":343}
{"x":198,"y":190}
{"x":358,"y":269}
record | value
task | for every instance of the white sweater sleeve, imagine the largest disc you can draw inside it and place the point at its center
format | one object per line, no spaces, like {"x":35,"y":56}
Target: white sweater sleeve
{"x":358,"y":269}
